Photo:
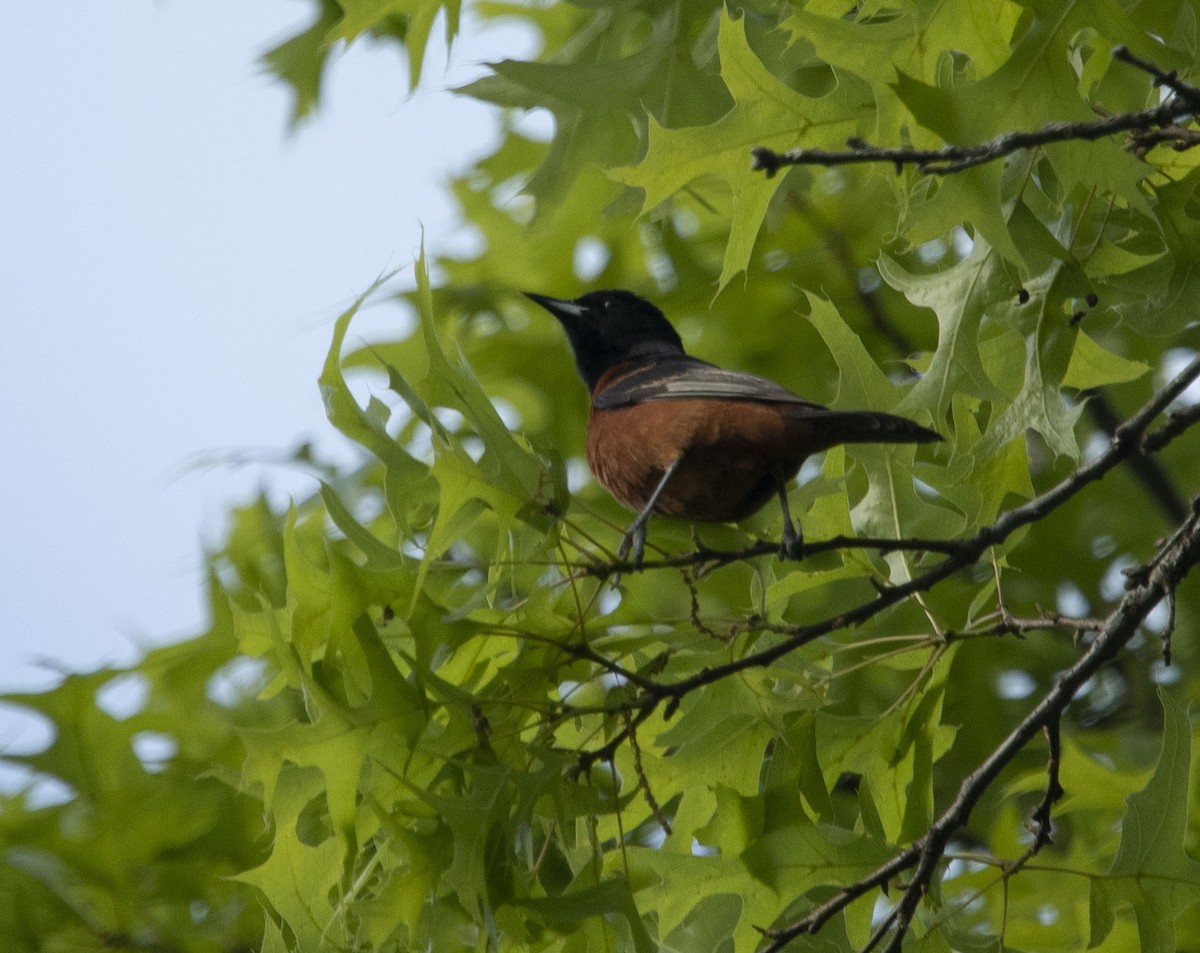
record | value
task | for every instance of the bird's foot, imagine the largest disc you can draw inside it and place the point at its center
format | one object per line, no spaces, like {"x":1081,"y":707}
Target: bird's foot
{"x":633,"y":544}
{"x":792,"y":544}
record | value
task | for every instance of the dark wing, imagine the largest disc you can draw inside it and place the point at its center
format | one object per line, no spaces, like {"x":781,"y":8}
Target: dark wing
{"x":688,"y":379}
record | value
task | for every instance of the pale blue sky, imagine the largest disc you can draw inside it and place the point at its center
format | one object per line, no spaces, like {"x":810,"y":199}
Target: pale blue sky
{"x":171,"y":261}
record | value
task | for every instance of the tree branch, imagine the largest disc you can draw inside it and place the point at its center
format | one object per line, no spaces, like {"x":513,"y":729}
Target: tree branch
{"x":1190,"y":94}
{"x":1122,"y":447}
{"x":1156,"y":580}
{"x":706,"y":559}
{"x":1153,"y":121}
{"x":1177,"y":422}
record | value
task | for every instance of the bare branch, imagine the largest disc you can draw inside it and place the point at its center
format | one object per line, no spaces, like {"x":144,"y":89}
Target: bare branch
{"x":1009,"y":624}
{"x":1153,"y":121}
{"x":1126,"y":439}
{"x":1177,"y":422}
{"x":1043,"y":829}
{"x":1190,"y":94}
{"x":644,"y":781}
{"x":1177,"y":137}
{"x":707,"y":559}
{"x":609,"y":750}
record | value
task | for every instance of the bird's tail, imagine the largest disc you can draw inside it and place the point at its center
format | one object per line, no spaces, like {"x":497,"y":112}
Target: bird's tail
{"x":866,"y":426}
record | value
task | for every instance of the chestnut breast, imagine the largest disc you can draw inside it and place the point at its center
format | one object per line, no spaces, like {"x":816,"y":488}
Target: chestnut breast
{"x":733,"y":454}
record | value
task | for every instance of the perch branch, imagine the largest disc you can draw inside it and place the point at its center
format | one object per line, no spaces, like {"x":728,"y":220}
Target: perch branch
{"x":707,"y":559}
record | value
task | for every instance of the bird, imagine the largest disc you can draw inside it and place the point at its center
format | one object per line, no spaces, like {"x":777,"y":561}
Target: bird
{"x":671,"y":435}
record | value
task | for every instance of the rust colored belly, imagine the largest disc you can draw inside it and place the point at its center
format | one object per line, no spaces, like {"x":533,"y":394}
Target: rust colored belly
{"x":732,"y":454}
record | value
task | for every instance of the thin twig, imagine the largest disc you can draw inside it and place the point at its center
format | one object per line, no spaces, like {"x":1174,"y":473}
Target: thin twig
{"x":1169,"y":629}
{"x":643,"y":781}
{"x":1177,"y":137}
{"x":606,"y":752}
{"x":1043,"y":829}
{"x":1008,"y":624}
{"x":952,"y":158}
{"x":1184,"y":91}
{"x":1176,"y":423}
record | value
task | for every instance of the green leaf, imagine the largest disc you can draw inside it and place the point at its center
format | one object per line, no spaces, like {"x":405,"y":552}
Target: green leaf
{"x":736,"y":822}
{"x":1039,"y":406}
{"x":890,"y":506}
{"x":1153,"y":873}
{"x":766,"y":112}
{"x":861,"y":384}
{"x":407,"y":21}
{"x":608,"y":898}
{"x":477,"y":822}
{"x":600,"y":93}
{"x":895,"y":756}
{"x":709,"y":925}
{"x":720,"y":739}
{"x":1093,"y":366}
{"x":793,"y":860}
{"x":367,"y":427}
{"x":1157,"y":298}
{"x":911,"y":40}
{"x":959,"y":297}
{"x":300,"y":61}
{"x":378,"y":553}
{"x":981,"y":475}
{"x":1036,"y":85}
{"x":297,"y":878}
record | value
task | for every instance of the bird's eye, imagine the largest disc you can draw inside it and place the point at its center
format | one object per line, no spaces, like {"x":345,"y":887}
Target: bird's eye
{"x":609,"y":304}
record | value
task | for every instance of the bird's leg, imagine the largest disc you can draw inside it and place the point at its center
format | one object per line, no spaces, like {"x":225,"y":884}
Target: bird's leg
{"x":792,"y":544}
{"x":635,"y":536}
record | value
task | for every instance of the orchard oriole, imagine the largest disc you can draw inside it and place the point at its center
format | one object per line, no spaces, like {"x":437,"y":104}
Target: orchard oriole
{"x":670,"y":434}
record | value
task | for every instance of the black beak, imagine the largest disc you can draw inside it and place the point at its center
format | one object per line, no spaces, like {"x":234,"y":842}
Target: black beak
{"x":566,"y":311}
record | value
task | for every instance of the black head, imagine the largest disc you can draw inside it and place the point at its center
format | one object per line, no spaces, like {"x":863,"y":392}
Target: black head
{"x":607,"y":328}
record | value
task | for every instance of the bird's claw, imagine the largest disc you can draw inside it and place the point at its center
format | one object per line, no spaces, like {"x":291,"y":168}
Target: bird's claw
{"x":633,"y":544}
{"x":792,"y":544}
{"x":632,"y":548}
